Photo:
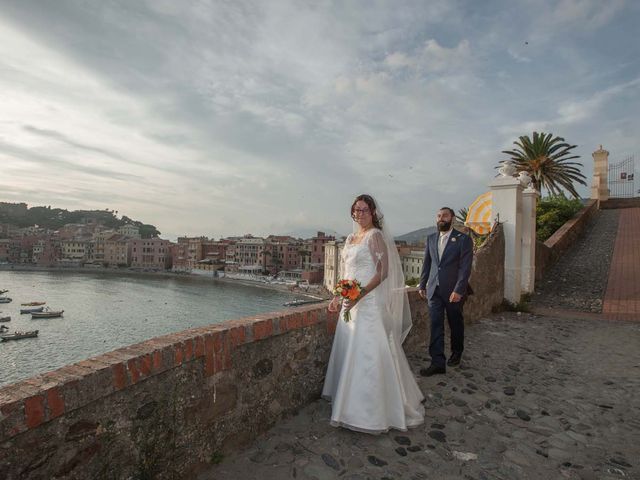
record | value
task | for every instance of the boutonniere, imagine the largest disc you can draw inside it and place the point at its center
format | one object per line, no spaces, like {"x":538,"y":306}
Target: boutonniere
{"x":453,"y":239}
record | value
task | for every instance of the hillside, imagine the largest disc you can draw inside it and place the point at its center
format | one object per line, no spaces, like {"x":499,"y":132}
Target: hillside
{"x":417,"y":237}
{"x":53,"y":218}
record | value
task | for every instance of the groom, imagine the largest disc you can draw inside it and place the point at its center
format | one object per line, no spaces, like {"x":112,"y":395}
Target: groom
{"x":444,"y":283}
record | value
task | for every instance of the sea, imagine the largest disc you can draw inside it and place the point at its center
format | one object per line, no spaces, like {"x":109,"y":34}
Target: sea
{"x":104,"y":311}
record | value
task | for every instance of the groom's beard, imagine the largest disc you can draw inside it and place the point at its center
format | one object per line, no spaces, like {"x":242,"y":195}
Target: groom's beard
{"x":444,"y":226}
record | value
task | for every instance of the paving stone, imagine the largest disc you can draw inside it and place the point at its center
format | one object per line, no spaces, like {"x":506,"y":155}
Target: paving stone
{"x":378,"y":462}
{"x":401,"y":451}
{"x":575,"y":419}
{"x":438,"y":435}
{"x":330,"y":461}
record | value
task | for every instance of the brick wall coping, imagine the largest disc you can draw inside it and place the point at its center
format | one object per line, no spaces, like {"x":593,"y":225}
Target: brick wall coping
{"x":576,"y":222}
{"x":29,"y":403}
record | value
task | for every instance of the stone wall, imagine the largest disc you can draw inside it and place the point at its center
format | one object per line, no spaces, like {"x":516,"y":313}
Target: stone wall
{"x":549,"y":251}
{"x":167,"y":407}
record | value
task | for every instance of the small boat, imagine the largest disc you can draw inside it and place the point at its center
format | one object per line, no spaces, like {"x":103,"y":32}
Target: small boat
{"x":2,"y":292}
{"x":5,"y":300}
{"x":31,"y":310}
{"x":18,"y":335}
{"x":32,"y":304}
{"x":3,"y":328}
{"x":47,"y":314}
{"x":297,"y":302}
{"x":5,"y":319}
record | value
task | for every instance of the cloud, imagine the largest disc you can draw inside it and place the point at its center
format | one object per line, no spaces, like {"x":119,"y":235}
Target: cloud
{"x":432,"y":57}
{"x":247,"y":116}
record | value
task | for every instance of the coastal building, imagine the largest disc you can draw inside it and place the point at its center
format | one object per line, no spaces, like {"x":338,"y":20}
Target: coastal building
{"x":74,"y":251}
{"x":8,"y":230}
{"x":332,"y":261}
{"x":412,"y":264}
{"x":129,"y":230}
{"x":247,"y":254}
{"x":4,"y":249}
{"x":312,"y":261}
{"x":153,"y":253}
{"x":189,"y":251}
{"x":116,"y":251}
{"x":46,"y":251}
{"x":97,"y":251}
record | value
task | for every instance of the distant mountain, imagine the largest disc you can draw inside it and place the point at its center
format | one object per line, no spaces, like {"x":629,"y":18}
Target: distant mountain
{"x":311,"y":232}
{"x":417,"y":237}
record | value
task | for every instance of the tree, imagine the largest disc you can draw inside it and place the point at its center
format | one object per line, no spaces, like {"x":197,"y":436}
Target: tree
{"x":547,"y":159}
{"x":462,"y":215}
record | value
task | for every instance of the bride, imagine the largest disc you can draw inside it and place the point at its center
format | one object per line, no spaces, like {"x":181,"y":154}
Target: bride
{"x":368,"y":381}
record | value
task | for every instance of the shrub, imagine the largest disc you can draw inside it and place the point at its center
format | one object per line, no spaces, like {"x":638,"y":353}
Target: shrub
{"x":412,"y":282}
{"x":552,"y":212}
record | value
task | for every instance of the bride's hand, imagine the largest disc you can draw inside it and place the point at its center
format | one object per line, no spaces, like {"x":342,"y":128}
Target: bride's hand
{"x":349,"y":304}
{"x":333,"y":306}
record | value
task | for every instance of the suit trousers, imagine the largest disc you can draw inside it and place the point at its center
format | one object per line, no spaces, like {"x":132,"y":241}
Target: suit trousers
{"x":438,"y":305}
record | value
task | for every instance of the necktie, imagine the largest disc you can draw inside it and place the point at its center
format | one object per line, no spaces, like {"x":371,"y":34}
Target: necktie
{"x":441,"y":244}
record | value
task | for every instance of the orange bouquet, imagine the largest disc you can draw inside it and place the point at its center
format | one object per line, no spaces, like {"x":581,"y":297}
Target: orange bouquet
{"x":350,"y":289}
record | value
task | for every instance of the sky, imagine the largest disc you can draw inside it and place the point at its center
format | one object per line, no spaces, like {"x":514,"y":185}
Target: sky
{"x":224,"y":118}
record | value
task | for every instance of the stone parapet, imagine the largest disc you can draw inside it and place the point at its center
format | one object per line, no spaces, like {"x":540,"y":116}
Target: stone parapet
{"x":169,"y":406}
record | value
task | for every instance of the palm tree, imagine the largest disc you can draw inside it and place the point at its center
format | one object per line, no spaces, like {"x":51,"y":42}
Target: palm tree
{"x":461,"y":216}
{"x":546,"y":158}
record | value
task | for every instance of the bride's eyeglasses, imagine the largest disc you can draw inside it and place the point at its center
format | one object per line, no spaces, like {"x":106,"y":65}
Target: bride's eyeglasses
{"x":361,"y":211}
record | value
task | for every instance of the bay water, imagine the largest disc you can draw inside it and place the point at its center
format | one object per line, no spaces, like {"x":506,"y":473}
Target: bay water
{"x":104,"y":311}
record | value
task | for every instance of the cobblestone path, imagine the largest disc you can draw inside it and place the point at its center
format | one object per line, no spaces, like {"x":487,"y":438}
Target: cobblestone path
{"x":535,"y":398}
{"x":578,"y":280}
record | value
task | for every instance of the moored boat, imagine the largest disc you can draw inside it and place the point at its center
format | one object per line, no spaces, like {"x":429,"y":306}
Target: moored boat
{"x":18,"y":335}
{"x":31,"y":310}
{"x":5,"y":319}
{"x":5,"y":300}
{"x":47,"y":314}
{"x":298,"y":302}
{"x":2,"y":292}
{"x":32,"y":304}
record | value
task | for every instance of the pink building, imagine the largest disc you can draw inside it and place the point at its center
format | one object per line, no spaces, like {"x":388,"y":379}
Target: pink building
{"x":150,"y":253}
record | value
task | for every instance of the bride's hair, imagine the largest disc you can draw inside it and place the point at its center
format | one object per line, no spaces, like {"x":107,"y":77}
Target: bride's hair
{"x":368,"y":199}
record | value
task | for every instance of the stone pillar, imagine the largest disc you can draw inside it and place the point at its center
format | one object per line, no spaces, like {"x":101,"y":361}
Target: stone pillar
{"x":600,"y":183}
{"x":529,"y":203}
{"x":506,"y":191}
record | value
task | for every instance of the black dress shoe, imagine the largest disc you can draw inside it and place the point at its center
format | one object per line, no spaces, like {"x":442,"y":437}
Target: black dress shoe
{"x":454,"y":359}
{"x":432,"y":370}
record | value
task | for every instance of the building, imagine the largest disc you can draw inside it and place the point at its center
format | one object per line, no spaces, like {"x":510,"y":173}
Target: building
{"x":74,"y":251}
{"x":97,"y":250}
{"x":189,"y":251}
{"x":412,"y":264}
{"x":332,"y":263}
{"x":116,"y":251}
{"x":5,"y":246}
{"x":153,"y":253}
{"x":47,"y":251}
{"x":129,"y":230}
{"x":248,"y":256}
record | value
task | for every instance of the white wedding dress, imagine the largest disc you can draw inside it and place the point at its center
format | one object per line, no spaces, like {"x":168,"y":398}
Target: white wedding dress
{"x":368,"y":381}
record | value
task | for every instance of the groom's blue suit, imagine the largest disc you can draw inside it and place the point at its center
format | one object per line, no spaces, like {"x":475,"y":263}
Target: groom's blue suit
{"x":440,"y":277}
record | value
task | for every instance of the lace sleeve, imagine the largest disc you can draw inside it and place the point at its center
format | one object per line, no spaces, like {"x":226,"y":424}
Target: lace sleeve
{"x":378,"y":249}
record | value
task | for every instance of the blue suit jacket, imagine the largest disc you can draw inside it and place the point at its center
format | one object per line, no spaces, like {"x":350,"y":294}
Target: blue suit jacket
{"x":451,"y":272}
